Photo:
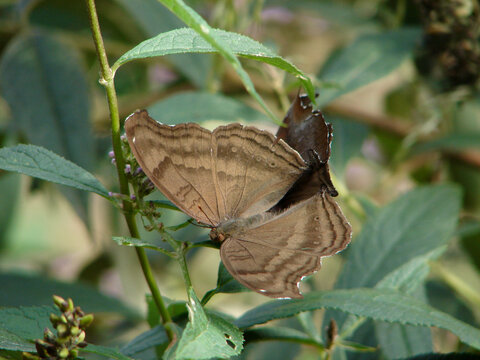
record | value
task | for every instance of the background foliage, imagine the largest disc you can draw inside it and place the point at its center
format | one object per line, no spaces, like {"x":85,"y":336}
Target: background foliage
{"x":398,"y":79}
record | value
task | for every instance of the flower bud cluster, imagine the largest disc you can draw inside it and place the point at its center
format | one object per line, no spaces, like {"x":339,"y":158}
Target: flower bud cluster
{"x":132,"y":170}
{"x":70,"y":333}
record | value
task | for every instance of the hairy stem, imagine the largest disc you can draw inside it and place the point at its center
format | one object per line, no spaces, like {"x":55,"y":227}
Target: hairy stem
{"x":107,"y":80}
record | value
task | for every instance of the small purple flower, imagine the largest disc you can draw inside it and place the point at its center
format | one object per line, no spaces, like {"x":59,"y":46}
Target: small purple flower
{"x":111,"y":154}
{"x":114,"y":162}
{"x":138,"y":170}
{"x":128,"y":169}
{"x":133,"y":197}
{"x":123,"y":137}
{"x":110,"y":194}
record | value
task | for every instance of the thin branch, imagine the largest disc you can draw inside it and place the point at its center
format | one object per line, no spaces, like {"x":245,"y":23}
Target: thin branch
{"x":108,"y":82}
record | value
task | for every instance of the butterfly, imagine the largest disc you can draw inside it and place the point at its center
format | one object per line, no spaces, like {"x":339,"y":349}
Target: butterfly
{"x":307,"y":132}
{"x":229,"y":179}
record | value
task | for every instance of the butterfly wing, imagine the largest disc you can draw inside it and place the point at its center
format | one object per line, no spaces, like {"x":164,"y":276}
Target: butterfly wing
{"x":253,"y":169}
{"x":236,"y":171}
{"x":309,"y":134}
{"x":178,"y":160}
{"x":272,"y":253}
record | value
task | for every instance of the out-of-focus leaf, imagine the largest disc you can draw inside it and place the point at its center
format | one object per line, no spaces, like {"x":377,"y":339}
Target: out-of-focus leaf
{"x":411,"y":226}
{"x":154,"y":18}
{"x":199,"y":107}
{"x":45,"y":86}
{"x":9,"y":191}
{"x":441,"y":297}
{"x":450,"y":356}
{"x":24,"y":290}
{"x":408,"y":228}
{"x":43,"y":164}
{"x":398,"y":340}
{"x":368,"y":58}
{"x":107,"y":352}
{"x":43,"y":82}
{"x":207,"y":335}
{"x":333,"y":12}
{"x":450,"y":142}
{"x":279,"y":333}
{"x":149,"y":339}
{"x":378,"y":304}
{"x":348,"y":138}
{"x":410,"y":275}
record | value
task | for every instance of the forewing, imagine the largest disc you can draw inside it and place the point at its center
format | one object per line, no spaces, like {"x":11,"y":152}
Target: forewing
{"x":253,"y":169}
{"x":268,"y":253}
{"x":178,"y":160}
{"x":309,"y":134}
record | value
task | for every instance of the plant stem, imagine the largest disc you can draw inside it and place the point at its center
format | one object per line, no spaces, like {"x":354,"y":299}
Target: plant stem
{"x":107,"y":80}
{"x":183,"y":265}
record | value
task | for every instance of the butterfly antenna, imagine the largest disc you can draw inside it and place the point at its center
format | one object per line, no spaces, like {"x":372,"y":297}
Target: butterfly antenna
{"x":204,"y":213}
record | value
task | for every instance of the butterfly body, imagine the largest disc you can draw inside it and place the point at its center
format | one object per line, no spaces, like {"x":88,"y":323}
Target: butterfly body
{"x":228,"y":179}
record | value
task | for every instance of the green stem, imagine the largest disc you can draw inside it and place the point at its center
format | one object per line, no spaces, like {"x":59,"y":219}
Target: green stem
{"x":183,"y":266}
{"x":107,"y":81}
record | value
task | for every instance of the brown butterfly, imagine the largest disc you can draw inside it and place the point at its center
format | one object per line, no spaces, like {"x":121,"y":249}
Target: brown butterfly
{"x":228,"y":179}
{"x":307,"y":132}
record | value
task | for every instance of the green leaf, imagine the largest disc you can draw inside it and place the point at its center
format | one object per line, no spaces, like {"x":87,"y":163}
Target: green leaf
{"x":147,"y":340}
{"x":208,"y":335}
{"x":199,"y":107}
{"x":411,"y":226}
{"x":130,"y":241}
{"x":378,"y":304}
{"x":408,"y":228}
{"x":203,"y":39}
{"x":44,"y":83}
{"x":401,"y":341}
{"x":154,"y":18}
{"x":164,"y":204}
{"x":368,"y":58}
{"x":410,"y":275}
{"x":334,"y":12}
{"x":280,"y":333}
{"x":225,"y":284}
{"x":24,"y":290}
{"x":9,"y":192}
{"x":106,"y":352}
{"x":26,"y":323}
{"x":186,"y":40}
{"x":43,"y":164}
{"x":10,"y":341}
{"x":348,"y":138}
{"x":449,"y":356}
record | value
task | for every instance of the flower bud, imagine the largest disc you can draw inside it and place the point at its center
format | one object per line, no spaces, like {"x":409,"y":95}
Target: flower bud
{"x":59,"y":302}
{"x":86,"y":320}
{"x":62,"y":330}
{"x":63,"y":354}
